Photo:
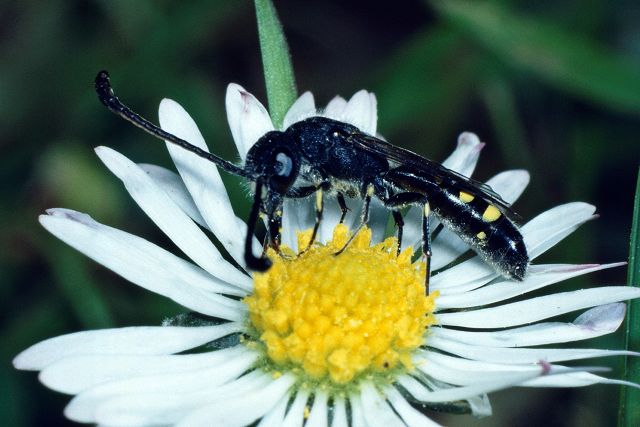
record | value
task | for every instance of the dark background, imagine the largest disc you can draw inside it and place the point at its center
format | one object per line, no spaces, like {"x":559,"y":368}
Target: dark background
{"x":553,"y":87}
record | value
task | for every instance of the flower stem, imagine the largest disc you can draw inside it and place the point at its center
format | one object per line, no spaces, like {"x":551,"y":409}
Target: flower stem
{"x":629,"y":412}
{"x":276,"y":62}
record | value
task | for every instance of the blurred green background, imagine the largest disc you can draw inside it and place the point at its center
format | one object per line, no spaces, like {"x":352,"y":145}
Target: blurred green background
{"x":551,"y":86}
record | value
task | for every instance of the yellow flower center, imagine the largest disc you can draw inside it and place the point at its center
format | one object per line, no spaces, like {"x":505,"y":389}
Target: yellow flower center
{"x":338,"y":317}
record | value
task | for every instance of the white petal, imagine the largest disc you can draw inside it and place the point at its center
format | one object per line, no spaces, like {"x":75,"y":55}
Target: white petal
{"x":373,"y":121}
{"x":520,"y":355}
{"x":330,"y":218}
{"x":410,"y":415}
{"x":295,"y":415}
{"x":358,"y":112}
{"x":535,"y":309}
{"x":446,"y":248}
{"x":457,"y":393}
{"x":163,"y":398}
{"x":335,"y":108}
{"x":375,"y":409}
{"x":303,"y":108}
{"x":203,"y":181}
{"x":457,"y":371}
{"x":548,"y":228}
{"x":173,"y":185}
{"x":339,"y":413}
{"x":540,"y":234}
{"x":510,"y":184}
{"x":75,"y":374}
{"x":275,"y":417}
{"x":152,"y":409}
{"x":169,"y":217}
{"x":412,"y":229}
{"x":596,"y":322}
{"x":538,"y":277}
{"x":247,"y":117}
{"x":298,"y":215}
{"x":144,"y":264}
{"x":480,"y":406}
{"x":464,"y":277}
{"x":378,"y":219}
{"x":164,"y":408}
{"x":572,"y":379}
{"x":465,"y":157}
{"x":357,"y":413}
{"x":318,"y":415}
{"x":467,"y":371}
{"x":241,"y":411}
{"x":131,"y":340}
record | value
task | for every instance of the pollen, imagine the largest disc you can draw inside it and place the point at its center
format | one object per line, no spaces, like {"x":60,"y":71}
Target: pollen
{"x":336,"y":318}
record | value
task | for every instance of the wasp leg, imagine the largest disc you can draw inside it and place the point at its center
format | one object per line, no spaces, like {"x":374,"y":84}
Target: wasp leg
{"x":343,"y":207}
{"x":274,"y":226}
{"x":364,"y":219}
{"x":316,"y":225}
{"x":397,"y":218}
{"x":405,"y":199}
{"x":426,"y":245}
{"x":301,"y":192}
{"x":254,"y":263}
{"x":397,"y":201}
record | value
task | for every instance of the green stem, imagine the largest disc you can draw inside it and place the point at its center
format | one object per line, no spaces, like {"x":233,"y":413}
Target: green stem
{"x":276,"y":62}
{"x":629,"y":412}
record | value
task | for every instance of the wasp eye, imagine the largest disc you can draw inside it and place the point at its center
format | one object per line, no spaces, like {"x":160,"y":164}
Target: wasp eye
{"x":284,"y":165}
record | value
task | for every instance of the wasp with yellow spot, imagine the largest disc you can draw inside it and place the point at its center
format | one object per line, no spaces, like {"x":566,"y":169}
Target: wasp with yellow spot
{"x":331,"y":158}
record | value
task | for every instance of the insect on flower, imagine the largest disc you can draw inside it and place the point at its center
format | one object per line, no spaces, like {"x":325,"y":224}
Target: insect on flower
{"x":326,"y":157}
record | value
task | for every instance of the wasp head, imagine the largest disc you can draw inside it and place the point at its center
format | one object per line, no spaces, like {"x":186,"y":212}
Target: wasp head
{"x":272,"y":162}
{"x":273,"y":165}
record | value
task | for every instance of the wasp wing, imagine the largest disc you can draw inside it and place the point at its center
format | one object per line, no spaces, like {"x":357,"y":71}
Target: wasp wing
{"x":405,"y":157}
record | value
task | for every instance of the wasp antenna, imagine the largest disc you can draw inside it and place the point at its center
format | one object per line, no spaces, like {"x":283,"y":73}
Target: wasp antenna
{"x":107,"y":96}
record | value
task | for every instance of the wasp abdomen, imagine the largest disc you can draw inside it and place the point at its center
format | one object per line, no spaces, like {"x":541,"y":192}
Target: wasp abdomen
{"x":485,"y":227}
{"x":480,"y":223}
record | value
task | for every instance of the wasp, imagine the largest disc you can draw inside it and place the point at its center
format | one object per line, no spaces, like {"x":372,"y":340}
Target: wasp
{"x":326,"y":157}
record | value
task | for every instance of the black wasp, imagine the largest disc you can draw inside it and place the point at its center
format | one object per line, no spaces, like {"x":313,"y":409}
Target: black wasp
{"x":324,"y":156}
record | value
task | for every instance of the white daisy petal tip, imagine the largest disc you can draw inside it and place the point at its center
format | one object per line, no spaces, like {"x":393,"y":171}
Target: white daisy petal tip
{"x":358,"y":112}
{"x":248,"y":118}
{"x":303,"y":108}
{"x":334,"y":108}
{"x":471,"y":140}
{"x":169,"y":109}
{"x":607,"y":317}
{"x":69,"y":214}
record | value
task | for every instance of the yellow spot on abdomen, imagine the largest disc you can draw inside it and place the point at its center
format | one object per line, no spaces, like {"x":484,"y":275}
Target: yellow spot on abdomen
{"x":491,"y":214}
{"x":481,"y":235}
{"x":338,"y":317}
{"x":466,"y":197}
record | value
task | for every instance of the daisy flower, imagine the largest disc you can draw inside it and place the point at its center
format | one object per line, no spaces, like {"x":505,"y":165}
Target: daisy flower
{"x":317,"y":339}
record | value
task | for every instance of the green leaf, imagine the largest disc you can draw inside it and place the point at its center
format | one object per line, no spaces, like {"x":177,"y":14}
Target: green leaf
{"x":80,"y":289}
{"x":629,"y":414}
{"x":501,"y":105}
{"x":276,"y":61}
{"x":563,"y":59}
{"x":419,"y":90}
